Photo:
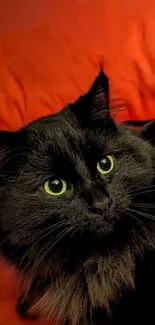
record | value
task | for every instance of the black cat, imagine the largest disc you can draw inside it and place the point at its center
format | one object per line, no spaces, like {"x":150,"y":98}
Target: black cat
{"x":77,"y":214}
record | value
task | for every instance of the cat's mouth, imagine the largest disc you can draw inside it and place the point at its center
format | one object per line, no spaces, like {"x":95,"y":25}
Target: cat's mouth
{"x":80,"y":246}
{"x":101,"y":225}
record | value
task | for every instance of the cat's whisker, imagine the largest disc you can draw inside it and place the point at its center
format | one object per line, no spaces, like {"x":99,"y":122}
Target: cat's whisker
{"x":34,"y":218}
{"x":144,"y":205}
{"x":52,"y":229}
{"x":55,"y":241}
{"x":141,"y":190}
{"x":57,"y":226}
{"x":130,"y":214}
{"x":143,"y":214}
{"x":74,"y":232}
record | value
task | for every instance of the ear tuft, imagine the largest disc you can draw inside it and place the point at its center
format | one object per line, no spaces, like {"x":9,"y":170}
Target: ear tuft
{"x":100,"y":90}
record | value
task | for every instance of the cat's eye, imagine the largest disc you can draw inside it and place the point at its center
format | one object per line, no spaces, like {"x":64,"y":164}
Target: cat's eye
{"x":106,"y":164}
{"x":55,"y":186}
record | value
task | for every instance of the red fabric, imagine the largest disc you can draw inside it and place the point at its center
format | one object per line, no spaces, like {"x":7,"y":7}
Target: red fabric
{"x":51,"y":51}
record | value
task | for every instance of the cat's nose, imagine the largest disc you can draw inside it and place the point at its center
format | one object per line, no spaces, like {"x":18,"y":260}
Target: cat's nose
{"x":99,"y":206}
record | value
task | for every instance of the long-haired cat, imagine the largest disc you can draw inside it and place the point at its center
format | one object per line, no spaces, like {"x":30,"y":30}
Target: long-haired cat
{"x":77,"y":214}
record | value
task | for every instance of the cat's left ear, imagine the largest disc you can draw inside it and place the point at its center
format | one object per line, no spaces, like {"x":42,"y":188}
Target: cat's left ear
{"x":99,"y":96}
{"x":148,"y":132}
{"x":94,"y":105}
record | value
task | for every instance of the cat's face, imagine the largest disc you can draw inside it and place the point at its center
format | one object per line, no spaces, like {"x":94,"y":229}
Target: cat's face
{"x":82,"y":177}
{"x":67,"y":186}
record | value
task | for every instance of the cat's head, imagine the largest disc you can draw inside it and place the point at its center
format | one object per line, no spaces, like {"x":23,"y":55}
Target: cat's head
{"x":71,"y":189}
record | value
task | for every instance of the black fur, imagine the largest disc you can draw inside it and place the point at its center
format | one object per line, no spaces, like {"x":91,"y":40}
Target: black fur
{"x":86,"y":256}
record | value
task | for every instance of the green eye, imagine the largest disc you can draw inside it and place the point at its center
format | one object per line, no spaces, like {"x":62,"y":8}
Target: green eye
{"x":106,"y":165}
{"x":55,"y":187}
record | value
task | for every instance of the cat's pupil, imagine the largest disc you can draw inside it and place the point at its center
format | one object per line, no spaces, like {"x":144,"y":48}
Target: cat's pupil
{"x":55,"y":185}
{"x":105,"y":163}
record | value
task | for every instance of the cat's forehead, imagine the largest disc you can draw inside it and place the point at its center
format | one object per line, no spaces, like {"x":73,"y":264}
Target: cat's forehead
{"x":52,"y":124}
{"x":62,"y":133}
{"x":56,"y":133}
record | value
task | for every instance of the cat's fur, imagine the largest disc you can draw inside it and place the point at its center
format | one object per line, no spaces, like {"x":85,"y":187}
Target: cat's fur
{"x":82,"y":254}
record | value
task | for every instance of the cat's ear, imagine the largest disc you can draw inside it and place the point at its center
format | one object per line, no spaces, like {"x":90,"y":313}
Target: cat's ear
{"x":148,"y":132}
{"x":99,"y":96}
{"x":94,"y":105}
